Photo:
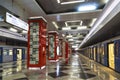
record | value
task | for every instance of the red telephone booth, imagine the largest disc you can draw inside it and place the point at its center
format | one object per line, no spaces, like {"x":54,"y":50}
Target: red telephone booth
{"x":36,"y":57}
{"x":53,"y":47}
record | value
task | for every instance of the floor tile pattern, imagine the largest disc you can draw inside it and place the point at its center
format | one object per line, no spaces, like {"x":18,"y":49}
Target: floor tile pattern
{"x":78,"y":68}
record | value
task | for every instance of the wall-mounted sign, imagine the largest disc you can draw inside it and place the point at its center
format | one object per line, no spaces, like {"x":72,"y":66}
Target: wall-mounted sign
{"x":11,"y":19}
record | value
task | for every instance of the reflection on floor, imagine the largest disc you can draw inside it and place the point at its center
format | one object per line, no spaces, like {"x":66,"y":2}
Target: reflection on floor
{"x":78,"y":68}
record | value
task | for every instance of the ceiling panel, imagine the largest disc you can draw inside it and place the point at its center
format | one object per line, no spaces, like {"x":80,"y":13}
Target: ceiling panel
{"x":56,"y":6}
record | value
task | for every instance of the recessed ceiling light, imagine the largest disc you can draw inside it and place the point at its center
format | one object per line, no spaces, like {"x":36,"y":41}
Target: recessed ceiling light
{"x":81,"y":23}
{"x":72,"y":2}
{"x":58,"y":1}
{"x":74,"y":46}
{"x":63,"y":35}
{"x":77,"y":49}
{"x":24,"y":31}
{"x":106,"y":1}
{"x":70,"y":39}
{"x":66,"y":28}
{"x":74,"y":22}
{"x":69,"y":36}
{"x":82,"y":27}
{"x":87,"y":7}
{"x":78,"y":41}
{"x":13,"y":29}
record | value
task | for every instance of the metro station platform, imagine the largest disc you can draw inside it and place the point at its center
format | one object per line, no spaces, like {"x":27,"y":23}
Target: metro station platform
{"x":79,"y":67}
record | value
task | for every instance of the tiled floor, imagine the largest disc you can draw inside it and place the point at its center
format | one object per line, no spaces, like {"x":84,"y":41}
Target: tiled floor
{"x":78,"y":68}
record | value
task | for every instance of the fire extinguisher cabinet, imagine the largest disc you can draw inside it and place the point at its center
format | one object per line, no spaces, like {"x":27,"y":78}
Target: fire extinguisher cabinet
{"x":36,"y":57}
{"x":53,"y":47}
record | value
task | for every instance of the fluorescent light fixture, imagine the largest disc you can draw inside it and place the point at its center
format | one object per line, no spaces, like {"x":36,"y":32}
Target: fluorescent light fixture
{"x":74,"y":46}
{"x":69,"y":36}
{"x":13,"y":29}
{"x":66,"y":24}
{"x":54,"y":23}
{"x":75,"y":37}
{"x":105,"y":1}
{"x":78,"y":41}
{"x":38,"y":17}
{"x":77,"y":49}
{"x":87,"y":7}
{"x":93,"y":21}
{"x":24,"y":31}
{"x":81,"y":23}
{"x":63,"y":35}
{"x":66,"y":28}
{"x":70,"y":39}
{"x":72,"y":2}
{"x":82,"y":27}
{"x":74,"y":21}
{"x":58,"y":1}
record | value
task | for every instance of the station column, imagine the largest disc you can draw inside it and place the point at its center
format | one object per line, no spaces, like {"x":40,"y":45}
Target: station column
{"x":36,"y":57}
{"x":53,"y":46}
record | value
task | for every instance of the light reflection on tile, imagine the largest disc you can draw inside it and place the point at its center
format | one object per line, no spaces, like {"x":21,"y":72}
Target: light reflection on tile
{"x":76,"y":67}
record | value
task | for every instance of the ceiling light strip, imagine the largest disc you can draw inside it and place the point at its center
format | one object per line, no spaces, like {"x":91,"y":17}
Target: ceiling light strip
{"x":93,"y":21}
{"x":69,"y":36}
{"x":13,"y":29}
{"x":63,"y":35}
{"x":66,"y":24}
{"x":87,"y":7}
{"x":74,"y":21}
{"x":54,"y":23}
{"x":70,"y":39}
{"x":72,"y":2}
{"x":74,"y":46}
{"x":66,"y":28}
{"x":58,"y":1}
{"x":82,"y":27}
{"x":81,"y":23}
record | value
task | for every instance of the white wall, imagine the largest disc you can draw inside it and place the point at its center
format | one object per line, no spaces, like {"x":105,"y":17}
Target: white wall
{"x":15,"y":8}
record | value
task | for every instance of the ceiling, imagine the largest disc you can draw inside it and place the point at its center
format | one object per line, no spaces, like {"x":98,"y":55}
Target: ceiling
{"x":107,"y":30}
{"x":65,"y":6}
{"x":71,"y":14}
